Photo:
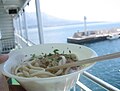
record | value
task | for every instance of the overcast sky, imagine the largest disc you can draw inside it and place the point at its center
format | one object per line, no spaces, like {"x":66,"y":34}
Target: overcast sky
{"x":94,"y":10}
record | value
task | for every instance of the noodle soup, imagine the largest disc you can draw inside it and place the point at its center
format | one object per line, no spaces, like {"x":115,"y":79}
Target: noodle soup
{"x":28,"y":66}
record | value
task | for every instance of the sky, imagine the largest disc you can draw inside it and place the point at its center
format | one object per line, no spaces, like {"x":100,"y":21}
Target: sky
{"x":94,"y":10}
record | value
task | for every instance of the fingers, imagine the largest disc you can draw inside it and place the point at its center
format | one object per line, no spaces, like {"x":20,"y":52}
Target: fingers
{"x":3,"y":57}
{"x":3,"y":83}
{"x":16,"y":88}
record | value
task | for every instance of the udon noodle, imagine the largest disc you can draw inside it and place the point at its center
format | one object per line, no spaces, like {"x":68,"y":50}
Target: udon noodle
{"x":35,"y":66}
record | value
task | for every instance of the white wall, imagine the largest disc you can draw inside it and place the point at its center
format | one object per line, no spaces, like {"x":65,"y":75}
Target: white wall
{"x":7,"y":30}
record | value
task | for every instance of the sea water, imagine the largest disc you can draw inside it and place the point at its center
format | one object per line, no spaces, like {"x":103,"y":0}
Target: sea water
{"x":108,"y":70}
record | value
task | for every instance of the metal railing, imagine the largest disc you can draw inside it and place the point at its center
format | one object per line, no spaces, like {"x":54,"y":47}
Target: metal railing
{"x":6,"y":44}
{"x":96,"y":80}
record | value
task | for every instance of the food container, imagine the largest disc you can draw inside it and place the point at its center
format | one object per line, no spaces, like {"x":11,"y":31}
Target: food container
{"x":58,"y":83}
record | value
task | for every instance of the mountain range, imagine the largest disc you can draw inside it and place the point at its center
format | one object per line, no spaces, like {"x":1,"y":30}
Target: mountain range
{"x":48,"y":20}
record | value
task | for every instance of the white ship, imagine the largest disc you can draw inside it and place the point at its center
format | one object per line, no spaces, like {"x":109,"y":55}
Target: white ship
{"x":113,"y":36}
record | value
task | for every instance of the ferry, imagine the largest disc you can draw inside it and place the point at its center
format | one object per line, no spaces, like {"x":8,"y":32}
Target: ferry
{"x":113,"y":36}
{"x":13,"y":23}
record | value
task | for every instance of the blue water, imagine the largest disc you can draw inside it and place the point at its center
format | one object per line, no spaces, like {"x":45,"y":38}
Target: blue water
{"x":108,"y":70}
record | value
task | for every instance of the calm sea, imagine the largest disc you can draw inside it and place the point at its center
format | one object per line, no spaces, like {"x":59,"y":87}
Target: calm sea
{"x":108,"y":70}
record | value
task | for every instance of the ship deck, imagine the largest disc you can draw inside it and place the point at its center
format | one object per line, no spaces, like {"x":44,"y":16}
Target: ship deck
{"x":12,"y":36}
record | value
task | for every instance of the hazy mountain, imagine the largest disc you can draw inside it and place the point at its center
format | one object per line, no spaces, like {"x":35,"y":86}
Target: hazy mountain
{"x":54,"y":21}
{"x":48,"y":20}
